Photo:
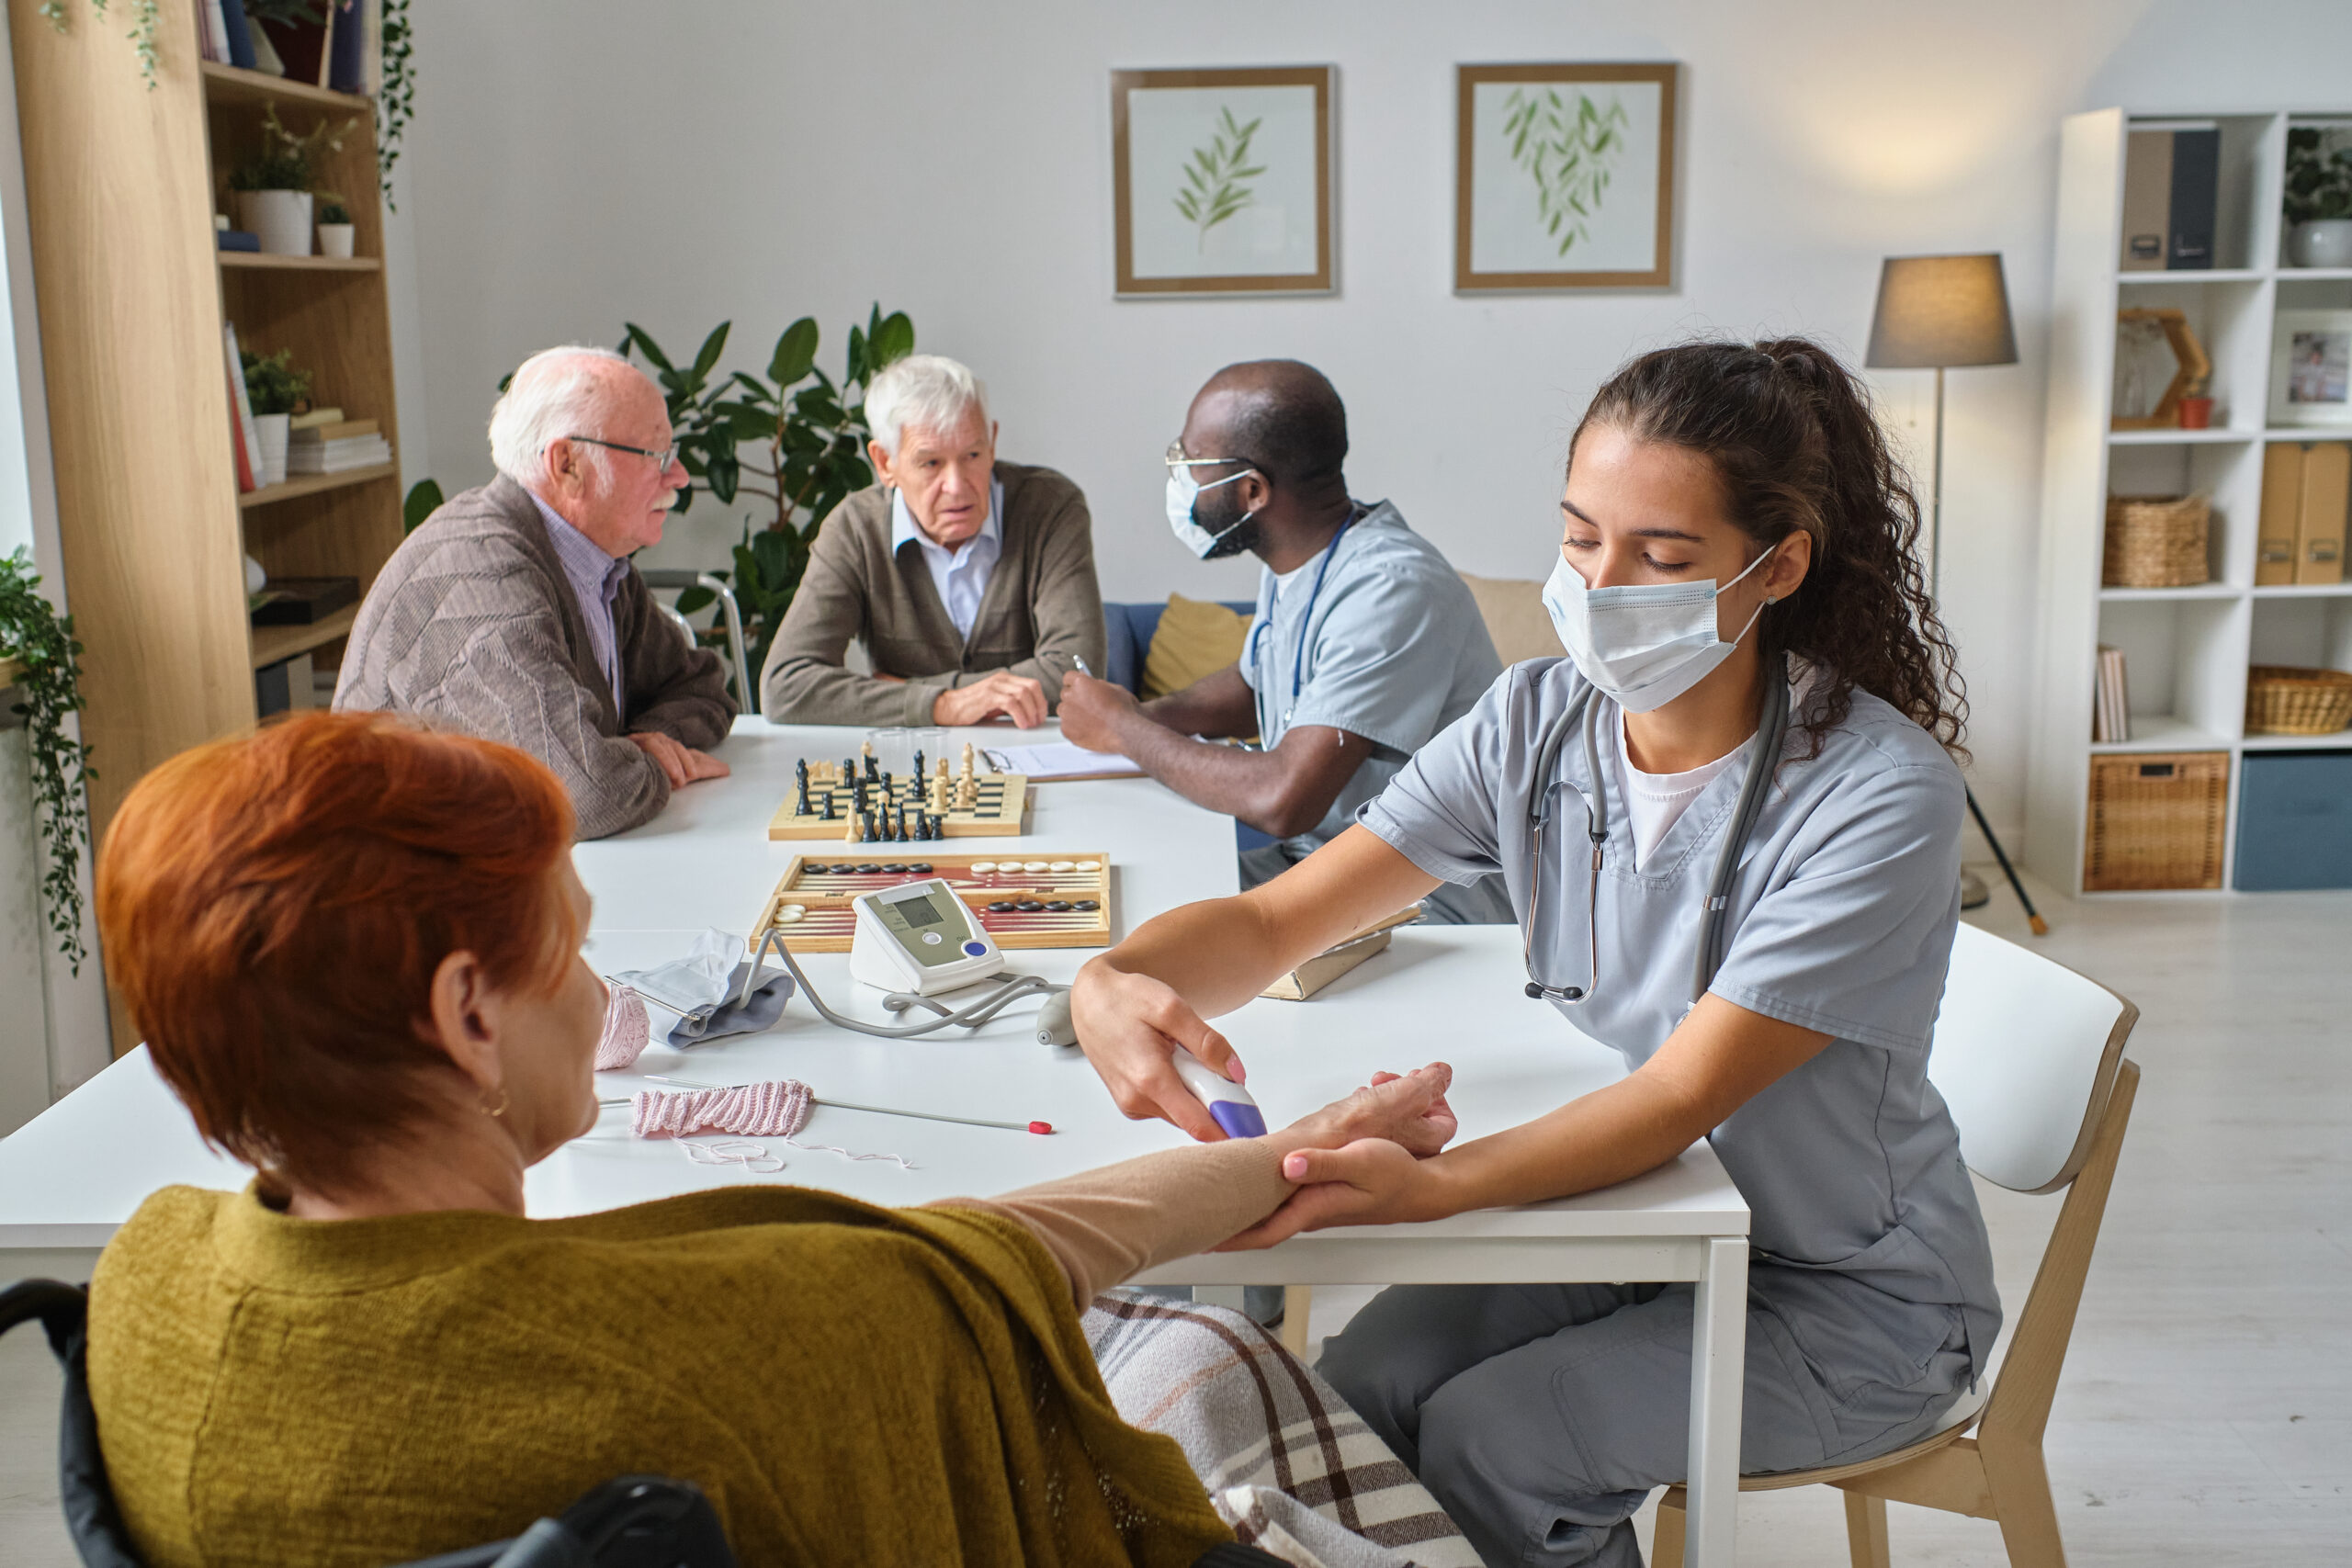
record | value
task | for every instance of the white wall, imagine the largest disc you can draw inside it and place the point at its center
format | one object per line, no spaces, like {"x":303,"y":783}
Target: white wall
{"x":578,"y":164}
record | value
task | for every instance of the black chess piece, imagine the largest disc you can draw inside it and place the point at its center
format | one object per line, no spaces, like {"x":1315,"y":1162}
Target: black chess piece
{"x":919,"y":774}
{"x":828,"y":815}
{"x":865,"y":823}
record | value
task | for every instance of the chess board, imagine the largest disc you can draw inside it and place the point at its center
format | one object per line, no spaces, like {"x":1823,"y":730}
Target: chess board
{"x":811,"y":905}
{"x":999,"y":809}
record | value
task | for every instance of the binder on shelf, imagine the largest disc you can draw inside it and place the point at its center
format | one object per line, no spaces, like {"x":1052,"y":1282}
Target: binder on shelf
{"x":2282,"y":508}
{"x":2147,"y":199}
{"x":2196,"y":195}
{"x":2319,"y":530}
{"x":240,"y":34}
{"x":2171,"y":196}
{"x":2112,"y":706}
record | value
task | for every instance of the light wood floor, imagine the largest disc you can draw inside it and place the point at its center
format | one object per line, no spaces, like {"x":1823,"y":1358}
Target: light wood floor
{"x":2205,"y":1414}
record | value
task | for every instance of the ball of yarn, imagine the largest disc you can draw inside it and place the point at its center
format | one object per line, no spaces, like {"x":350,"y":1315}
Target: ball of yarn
{"x":626,"y":1031}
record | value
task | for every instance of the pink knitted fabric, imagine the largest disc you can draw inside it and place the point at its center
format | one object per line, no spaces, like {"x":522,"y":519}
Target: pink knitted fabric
{"x":775,"y":1108}
{"x":626,"y":1031}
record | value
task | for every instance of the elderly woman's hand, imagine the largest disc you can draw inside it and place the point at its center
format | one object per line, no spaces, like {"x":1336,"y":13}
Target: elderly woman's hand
{"x":1408,"y":1110}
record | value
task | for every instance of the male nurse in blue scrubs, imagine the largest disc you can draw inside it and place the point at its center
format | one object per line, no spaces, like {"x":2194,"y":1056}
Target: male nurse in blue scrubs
{"x":1366,"y":642}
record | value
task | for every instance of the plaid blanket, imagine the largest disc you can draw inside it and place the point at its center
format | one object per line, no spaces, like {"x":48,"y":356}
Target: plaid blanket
{"x":1286,"y":1463}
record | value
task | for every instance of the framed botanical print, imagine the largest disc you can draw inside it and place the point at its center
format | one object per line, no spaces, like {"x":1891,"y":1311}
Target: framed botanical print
{"x":1222,"y":180}
{"x":1564,"y":176}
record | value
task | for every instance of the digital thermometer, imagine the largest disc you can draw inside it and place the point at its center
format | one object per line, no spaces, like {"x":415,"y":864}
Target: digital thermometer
{"x":1229,"y":1104}
{"x":918,"y":937}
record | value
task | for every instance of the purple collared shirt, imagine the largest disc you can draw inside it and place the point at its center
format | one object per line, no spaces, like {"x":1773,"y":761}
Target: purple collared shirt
{"x":595,"y":579}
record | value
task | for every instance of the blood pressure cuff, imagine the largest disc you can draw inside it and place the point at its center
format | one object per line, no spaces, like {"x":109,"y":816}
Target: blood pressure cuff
{"x":702,"y":993}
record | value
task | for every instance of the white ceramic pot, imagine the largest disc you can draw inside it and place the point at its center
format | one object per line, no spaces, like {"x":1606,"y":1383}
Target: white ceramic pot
{"x":2322,"y":241}
{"x":272,"y":428}
{"x":335,"y":239}
{"x":282,"y":218}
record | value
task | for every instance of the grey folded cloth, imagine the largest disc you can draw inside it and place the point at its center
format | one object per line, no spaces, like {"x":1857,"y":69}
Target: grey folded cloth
{"x":701,"y":991}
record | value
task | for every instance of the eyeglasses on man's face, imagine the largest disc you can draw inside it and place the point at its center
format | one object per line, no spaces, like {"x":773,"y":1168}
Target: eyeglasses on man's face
{"x":1176,"y":459}
{"x":663,"y":457}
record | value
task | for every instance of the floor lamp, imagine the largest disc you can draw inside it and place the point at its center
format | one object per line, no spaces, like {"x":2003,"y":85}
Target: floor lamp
{"x":1934,"y":312}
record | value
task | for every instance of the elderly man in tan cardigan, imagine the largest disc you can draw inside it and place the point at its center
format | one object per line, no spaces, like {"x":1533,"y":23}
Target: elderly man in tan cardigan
{"x":970,"y":582}
{"x":513,"y":612}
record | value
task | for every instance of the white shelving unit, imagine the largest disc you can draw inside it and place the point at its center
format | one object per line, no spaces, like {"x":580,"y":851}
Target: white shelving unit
{"x":2186,"y":649}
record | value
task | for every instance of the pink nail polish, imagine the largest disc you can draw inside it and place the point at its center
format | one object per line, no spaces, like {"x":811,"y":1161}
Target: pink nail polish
{"x":1240,"y":1073}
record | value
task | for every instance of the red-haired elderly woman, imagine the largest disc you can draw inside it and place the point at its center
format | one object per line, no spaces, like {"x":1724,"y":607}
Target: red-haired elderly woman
{"x":353,"y":949}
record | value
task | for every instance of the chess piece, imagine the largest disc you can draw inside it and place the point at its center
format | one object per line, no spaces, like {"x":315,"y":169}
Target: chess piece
{"x":918,"y":772}
{"x":827,"y":815}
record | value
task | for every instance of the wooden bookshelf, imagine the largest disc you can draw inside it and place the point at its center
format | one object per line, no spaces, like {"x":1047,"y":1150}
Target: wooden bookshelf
{"x":122,"y":184}
{"x":254,"y":261}
{"x":317,"y":484}
{"x":274,"y":643}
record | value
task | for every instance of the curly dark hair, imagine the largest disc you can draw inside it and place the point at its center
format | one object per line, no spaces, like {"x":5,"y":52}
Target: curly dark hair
{"x":1792,"y":435}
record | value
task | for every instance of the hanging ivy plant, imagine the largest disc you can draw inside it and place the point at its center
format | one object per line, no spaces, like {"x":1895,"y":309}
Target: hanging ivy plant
{"x":35,"y":635}
{"x":396,"y":97}
{"x":145,"y":18}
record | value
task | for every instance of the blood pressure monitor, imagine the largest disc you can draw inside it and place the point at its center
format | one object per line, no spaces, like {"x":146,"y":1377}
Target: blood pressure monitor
{"x":918,"y":937}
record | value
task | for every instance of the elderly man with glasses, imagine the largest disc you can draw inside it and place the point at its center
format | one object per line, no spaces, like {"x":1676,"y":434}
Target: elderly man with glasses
{"x":513,"y":612}
{"x":969,"y":582}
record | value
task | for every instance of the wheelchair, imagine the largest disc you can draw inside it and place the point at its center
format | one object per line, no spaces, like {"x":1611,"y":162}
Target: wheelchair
{"x":633,"y":1521}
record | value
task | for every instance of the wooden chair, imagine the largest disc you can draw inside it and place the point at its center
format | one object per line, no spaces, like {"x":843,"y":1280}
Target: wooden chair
{"x":2029,"y":1055}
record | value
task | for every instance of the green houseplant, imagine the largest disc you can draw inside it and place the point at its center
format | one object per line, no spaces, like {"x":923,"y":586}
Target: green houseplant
{"x":277,"y":391}
{"x":145,"y":18}
{"x":2319,"y":197}
{"x":337,"y":233}
{"x":36,"y":637}
{"x":793,"y":441}
{"x":273,"y":182}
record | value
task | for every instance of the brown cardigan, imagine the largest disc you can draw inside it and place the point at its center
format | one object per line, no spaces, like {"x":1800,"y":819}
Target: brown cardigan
{"x":473,"y":624}
{"x":1041,"y":612}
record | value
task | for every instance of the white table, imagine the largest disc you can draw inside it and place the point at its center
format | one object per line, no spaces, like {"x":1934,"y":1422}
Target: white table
{"x":71,"y":1176}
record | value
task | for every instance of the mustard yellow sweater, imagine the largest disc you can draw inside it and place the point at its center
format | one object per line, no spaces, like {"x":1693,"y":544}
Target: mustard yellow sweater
{"x":849,"y":1385}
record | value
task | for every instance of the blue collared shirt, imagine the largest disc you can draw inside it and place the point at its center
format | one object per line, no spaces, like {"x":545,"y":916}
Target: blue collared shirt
{"x":961,"y":575}
{"x":595,"y":579}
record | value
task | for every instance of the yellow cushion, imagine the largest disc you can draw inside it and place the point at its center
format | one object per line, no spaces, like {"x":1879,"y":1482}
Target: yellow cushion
{"x":1196,"y":638}
{"x":1513,"y":610}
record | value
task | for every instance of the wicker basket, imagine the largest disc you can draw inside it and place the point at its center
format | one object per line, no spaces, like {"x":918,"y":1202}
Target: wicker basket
{"x":2156,"y":541}
{"x":2156,"y":821}
{"x":2281,"y":699}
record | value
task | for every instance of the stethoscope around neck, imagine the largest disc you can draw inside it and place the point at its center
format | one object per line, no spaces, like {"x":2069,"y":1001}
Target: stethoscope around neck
{"x":1772,"y":735}
{"x":1298,"y":661}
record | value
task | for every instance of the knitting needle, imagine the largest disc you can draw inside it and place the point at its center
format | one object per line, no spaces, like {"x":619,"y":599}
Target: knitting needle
{"x":1038,"y":1127}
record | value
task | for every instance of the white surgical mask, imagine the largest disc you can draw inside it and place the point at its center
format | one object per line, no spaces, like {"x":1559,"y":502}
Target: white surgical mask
{"x":1642,"y":645}
{"x":1182,"y":491}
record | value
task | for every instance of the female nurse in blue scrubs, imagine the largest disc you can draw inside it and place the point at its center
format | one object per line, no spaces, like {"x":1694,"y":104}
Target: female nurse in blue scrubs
{"x":1754,"y":663}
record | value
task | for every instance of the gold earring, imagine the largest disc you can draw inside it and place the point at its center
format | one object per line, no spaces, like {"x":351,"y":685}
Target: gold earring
{"x":500,"y":1109}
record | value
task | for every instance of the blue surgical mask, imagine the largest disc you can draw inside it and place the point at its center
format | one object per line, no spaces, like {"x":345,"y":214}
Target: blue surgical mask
{"x":1182,"y":492}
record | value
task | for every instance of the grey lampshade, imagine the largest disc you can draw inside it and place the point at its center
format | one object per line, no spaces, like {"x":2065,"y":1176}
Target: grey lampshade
{"x":1935,"y":310}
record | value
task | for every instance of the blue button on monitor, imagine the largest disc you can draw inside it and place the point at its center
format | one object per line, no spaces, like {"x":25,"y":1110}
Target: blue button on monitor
{"x":975,"y":949}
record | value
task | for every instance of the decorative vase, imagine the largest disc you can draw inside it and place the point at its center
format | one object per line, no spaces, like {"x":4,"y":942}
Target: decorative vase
{"x":2322,"y":241}
{"x":282,"y":218}
{"x":335,"y":239}
{"x":272,"y":429}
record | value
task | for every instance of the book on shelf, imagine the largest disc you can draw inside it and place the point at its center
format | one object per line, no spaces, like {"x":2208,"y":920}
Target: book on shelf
{"x":242,"y":406}
{"x":211,"y":33}
{"x":337,"y":456}
{"x":237,"y":238}
{"x":2172,"y":173}
{"x":2112,"y":707}
{"x":240,"y":34}
{"x":332,"y":430}
{"x":329,"y":415}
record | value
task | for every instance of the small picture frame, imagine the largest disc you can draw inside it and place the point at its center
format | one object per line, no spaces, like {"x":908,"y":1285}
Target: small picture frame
{"x":1222,"y":181}
{"x":1564,"y":176}
{"x":2310,"y":368}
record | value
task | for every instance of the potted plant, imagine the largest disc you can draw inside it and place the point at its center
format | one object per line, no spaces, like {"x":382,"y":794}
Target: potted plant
{"x":2319,"y":197}
{"x":48,"y":678}
{"x":335,"y":228}
{"x":273,"y":184}
{"x":277,"y":392}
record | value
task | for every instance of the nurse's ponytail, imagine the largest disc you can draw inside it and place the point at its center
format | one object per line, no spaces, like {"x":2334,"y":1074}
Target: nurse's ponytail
{"x":1792,"y":435}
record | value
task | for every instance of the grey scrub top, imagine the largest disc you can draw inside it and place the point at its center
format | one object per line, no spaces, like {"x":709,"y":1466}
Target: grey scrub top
{"x":1841,"y":920}
{"x":1393,"y":650}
